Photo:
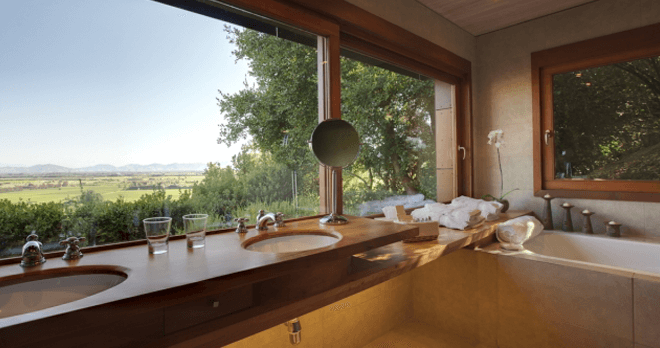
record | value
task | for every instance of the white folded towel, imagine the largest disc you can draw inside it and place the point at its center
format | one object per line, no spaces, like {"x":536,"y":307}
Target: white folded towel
{"x":513,"y":233}
{"x":456,"y":217}
{"x":390,"y":212}
{"x":450,"y":221}
{"x":489,"y":209}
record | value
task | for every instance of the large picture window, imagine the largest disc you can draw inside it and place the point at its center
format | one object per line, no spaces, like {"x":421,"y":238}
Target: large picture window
{"x":114,"y":112}
{"x":597,"y":118}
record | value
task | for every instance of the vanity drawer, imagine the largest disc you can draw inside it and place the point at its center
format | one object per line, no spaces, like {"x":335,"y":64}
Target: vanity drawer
{"x":204,"y":309}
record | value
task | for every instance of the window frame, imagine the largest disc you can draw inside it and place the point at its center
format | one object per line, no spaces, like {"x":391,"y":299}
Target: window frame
{"x":620,"y":47}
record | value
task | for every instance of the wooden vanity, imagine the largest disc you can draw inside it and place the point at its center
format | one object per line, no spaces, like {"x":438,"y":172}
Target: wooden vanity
{"x":216,"y":295}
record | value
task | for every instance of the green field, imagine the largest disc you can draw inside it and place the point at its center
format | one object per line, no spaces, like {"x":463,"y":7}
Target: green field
{"x":110,"y":187}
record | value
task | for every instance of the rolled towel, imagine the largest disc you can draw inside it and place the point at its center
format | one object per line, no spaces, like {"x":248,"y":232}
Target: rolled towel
{"x":513,"y":233}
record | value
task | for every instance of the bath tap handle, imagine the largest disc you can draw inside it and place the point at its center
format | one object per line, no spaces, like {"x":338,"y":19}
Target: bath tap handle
{"x":461,"y":148}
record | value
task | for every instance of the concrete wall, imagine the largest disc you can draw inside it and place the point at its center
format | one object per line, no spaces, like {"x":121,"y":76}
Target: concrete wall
{"x":503,"y":99}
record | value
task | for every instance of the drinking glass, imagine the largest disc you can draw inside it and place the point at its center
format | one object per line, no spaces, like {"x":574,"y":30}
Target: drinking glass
{"x":158,"y":234}
{"x":194,"y":225}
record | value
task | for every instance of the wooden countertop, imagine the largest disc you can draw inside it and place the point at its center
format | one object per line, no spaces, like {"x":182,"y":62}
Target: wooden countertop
{"x":277,"y":287}
{"x":222,"y":260}
{"x":366,"y":270}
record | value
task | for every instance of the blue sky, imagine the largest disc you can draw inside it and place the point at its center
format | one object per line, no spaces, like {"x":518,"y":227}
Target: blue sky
{"x":85,"y":82}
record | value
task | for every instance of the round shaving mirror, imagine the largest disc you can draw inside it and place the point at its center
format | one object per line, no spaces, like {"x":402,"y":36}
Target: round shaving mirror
{"x":335,"y":144}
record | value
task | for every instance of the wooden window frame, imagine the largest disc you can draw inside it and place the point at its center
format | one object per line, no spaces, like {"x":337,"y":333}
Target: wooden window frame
{"x":367,"y":33}
{"x":610,"y":49}
{"x":346,"y":25}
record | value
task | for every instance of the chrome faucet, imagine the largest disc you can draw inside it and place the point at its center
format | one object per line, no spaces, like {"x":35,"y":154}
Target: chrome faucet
{"x":32,"y":252}
{"x":262,"y":222}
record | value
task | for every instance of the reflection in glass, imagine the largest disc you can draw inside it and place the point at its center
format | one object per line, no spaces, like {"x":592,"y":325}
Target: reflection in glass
{"x":607,"y":122}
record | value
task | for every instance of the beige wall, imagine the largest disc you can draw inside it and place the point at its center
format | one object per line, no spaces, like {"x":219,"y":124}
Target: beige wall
{"x":503,"y":100}
{"x":520,"y":301}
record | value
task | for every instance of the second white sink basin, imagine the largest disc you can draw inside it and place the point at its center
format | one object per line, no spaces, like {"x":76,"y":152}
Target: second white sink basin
{"x":43,"y":290}
{"x":291,"y":241}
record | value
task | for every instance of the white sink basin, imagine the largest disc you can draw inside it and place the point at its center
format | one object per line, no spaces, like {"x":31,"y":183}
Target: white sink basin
{"x":291,"y":241}
{"x":40,"y":291}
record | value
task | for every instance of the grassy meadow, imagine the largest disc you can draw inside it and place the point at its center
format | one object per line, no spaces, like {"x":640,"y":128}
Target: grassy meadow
{"x":110,"y":187}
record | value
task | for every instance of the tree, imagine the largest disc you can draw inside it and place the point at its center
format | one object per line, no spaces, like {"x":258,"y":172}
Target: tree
{"x":391,"y":112}
{"x":606,"y":118}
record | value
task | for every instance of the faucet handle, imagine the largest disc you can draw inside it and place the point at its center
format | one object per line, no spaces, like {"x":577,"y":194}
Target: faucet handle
{"x":72,"y":250}
{"x":279,"y":220}
{"x":73,"y":241}
{"x":241,"y":224}
{"x":32,"y":237}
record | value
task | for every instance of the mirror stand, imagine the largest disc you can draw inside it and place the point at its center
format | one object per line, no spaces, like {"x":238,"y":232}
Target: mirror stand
{"x":334,"y":218}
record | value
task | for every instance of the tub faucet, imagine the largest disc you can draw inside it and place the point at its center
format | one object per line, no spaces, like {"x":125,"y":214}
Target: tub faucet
{"x":32,"y":252}
{"x":262,"y":222}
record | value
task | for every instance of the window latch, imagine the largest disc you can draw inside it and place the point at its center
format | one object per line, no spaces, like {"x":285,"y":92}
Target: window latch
{"x":461,"y":148}
{"x":548,"y":133}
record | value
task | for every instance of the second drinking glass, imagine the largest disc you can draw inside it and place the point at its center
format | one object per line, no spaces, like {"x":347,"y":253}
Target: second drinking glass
{"x":194,"y":225}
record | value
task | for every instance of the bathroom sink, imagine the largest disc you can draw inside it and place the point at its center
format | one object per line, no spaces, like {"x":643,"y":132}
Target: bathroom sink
{"x":20,"y":295}
{"x":291,"y":241}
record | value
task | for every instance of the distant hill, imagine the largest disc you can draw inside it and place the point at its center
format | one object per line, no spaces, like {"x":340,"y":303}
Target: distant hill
{"x":106,"y":168}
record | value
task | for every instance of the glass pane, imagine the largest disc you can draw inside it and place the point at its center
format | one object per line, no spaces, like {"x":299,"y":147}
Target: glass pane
{"x":393,"y":111}
{"x":607,"y":122}
{"x":117,"y":111}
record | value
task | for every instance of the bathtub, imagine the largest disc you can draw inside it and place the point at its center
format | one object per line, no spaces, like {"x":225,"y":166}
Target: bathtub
{"x":576,"y":290}
{"x":614,"y":252}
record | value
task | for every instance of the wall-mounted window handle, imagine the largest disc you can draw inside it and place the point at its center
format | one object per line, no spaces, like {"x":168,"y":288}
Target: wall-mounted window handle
{"x":461,"y":148}
{"x":547,"y":135}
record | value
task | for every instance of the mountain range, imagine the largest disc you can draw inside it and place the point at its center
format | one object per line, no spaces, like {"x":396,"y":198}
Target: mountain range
{"x":106,"y":168}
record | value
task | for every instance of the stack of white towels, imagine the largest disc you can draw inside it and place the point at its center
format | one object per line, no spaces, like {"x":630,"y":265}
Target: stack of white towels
{"x":463,"y":212}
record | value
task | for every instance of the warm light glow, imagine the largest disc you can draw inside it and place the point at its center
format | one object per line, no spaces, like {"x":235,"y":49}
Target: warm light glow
{"x":578,"y":74}
{"x":588,"y":84}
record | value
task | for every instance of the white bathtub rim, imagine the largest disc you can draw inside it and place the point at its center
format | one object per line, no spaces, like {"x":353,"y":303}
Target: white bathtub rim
{"x":603,"y":236}
{"x":589,"y":266}
{"x":494,"y":248}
